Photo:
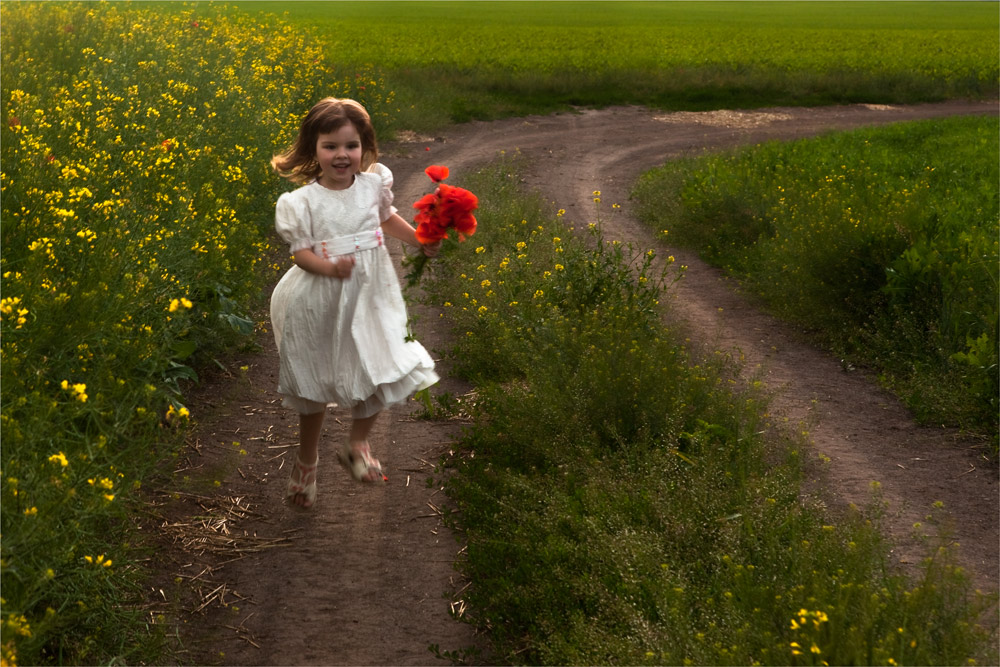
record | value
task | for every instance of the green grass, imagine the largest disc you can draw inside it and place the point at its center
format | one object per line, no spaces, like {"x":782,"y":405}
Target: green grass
{"x":626,"y":503}
{"x":461,"y":61}
{"x":880,"y":242}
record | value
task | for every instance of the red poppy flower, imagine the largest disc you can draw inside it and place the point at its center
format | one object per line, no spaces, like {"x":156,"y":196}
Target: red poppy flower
{"x":448,"y":207}
{"x":436,"y":172}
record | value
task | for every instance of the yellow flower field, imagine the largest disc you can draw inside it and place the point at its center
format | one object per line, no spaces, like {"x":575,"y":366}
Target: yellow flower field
{"x":137,"y":207}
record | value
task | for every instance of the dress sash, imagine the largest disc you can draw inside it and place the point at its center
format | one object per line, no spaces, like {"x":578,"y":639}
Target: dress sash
{"x":348,"y":245}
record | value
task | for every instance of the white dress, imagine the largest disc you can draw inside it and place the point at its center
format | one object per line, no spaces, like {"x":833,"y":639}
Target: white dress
{"x":344,"y":341}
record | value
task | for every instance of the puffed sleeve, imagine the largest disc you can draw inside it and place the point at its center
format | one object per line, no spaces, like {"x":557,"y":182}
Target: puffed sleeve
{"x":291,"y":220}
{"x":385,"y":207}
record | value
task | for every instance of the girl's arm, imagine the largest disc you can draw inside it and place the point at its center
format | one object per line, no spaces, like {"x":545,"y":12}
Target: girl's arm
{"x":339,"y":267}
{"x":398,"y":228}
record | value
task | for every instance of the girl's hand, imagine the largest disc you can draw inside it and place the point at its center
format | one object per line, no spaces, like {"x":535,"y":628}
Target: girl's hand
{"x":431,"y":249}
{"x":341,"y":267}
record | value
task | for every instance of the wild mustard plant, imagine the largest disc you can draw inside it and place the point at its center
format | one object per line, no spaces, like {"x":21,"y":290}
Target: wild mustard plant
{"x":137,"y":204}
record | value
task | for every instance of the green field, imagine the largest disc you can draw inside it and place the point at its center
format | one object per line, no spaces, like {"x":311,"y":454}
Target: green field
{"x":481,"y":60}
{"x":935,"y":38}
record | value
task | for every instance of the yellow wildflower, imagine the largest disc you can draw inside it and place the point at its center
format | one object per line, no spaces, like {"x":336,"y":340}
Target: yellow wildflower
{"x":7,"y":305}
{"x":100,"y":560}
{"x":81,"y":392}
{"x":59,"y":458}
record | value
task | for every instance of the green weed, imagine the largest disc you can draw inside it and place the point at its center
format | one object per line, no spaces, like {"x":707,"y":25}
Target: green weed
{"x":623,"y":502}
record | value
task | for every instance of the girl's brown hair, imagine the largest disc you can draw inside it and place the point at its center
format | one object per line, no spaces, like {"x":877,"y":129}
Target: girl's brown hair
{"x":298,"y":163}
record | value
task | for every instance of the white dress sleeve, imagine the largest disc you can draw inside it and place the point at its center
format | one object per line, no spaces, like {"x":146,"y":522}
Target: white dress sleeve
{"x":291,"y":220}
{"x":385,"y":207}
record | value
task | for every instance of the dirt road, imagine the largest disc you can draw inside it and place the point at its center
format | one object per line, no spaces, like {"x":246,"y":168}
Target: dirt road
{"x":366,"y":576}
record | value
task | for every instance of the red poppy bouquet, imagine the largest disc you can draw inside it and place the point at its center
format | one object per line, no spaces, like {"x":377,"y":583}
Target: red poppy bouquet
{"x":448,"y":207}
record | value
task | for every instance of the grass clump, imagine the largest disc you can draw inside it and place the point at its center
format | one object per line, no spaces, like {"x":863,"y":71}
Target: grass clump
{"x":882,"y":242}
{"x":137,"y":206}
{"x":625,"y":503}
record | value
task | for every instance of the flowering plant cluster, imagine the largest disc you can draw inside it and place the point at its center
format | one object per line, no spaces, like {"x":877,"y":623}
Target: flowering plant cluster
{"x":448,"y":207}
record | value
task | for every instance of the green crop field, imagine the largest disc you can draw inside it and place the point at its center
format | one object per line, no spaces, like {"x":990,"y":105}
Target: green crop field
{"x":485,"y":59}
{"x":933,"y":38}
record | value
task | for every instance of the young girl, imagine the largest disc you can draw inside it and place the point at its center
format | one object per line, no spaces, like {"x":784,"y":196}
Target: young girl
{"x":338,"y":315}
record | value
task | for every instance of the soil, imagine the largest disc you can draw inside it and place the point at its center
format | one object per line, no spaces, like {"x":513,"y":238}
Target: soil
{"x":368,"y":576}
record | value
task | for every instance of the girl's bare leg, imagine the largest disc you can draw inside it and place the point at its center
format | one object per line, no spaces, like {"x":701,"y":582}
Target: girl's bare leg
{"x":360,"y":428}
{"x":310,"y":429}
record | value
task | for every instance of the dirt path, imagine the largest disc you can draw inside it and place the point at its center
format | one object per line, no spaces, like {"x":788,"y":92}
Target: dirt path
{"x":367,"y":576}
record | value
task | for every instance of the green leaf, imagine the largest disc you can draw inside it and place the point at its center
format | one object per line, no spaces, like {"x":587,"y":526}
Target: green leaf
{"x":183,"y":349}
{"x":239,"y":324}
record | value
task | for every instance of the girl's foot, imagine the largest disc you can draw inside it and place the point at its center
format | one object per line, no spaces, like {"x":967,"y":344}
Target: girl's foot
{"x":302,"y":484}
{"x":358,"y":460}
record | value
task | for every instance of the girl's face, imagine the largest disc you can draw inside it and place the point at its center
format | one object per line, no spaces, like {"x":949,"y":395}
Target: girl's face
{"x":339,"y":156}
